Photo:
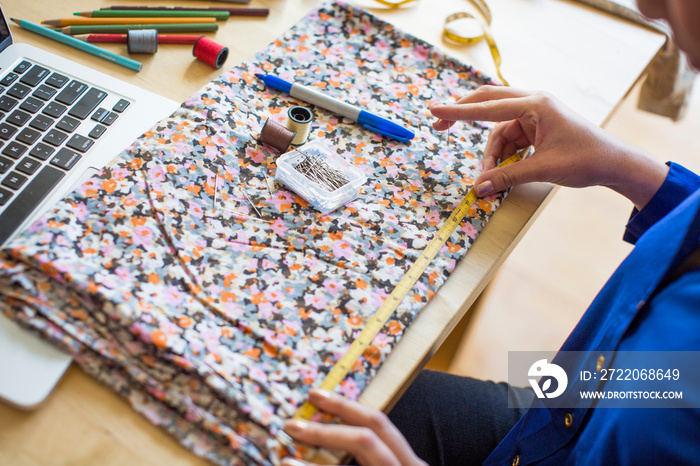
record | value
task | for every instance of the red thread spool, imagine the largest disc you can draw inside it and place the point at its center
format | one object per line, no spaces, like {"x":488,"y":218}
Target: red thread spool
{"x":210,"y":52}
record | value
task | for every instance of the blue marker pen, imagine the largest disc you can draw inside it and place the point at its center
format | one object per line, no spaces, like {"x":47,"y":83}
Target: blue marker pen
{"x":368,"y":120}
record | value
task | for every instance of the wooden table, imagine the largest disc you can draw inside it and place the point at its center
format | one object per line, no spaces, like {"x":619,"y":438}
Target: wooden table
{"x":588,"y":59}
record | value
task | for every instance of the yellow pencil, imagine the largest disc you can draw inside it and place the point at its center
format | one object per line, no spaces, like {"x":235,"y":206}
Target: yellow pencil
{"x":83,"y":21}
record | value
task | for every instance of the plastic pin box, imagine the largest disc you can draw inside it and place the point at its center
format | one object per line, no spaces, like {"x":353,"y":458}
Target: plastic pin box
{"x":319,"y":175}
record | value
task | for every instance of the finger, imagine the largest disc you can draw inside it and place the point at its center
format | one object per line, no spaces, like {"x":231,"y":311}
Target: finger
{"x":504,"y":140}
{"x":361,"y":442}
{"x":483,"y":93}
{"x":357,"y":414}
{"x":500,"y":179}
{"x":489,"y":110}
{"x":442,"y":125}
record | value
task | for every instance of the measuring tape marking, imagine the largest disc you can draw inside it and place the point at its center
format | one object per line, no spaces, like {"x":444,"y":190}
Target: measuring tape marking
{"x":377,"y":321}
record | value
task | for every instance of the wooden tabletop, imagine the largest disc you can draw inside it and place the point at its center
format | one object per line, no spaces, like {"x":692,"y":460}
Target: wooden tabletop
{"x":588,"y":59}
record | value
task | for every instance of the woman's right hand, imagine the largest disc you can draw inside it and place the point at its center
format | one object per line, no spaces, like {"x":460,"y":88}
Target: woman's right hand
{"x":569,"y":150}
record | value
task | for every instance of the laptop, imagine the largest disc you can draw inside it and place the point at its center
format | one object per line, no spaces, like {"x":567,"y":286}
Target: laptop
{"x":60,"y":122}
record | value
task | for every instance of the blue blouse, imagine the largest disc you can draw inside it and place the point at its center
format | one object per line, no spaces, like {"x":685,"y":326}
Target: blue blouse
{"x":639,"y":309}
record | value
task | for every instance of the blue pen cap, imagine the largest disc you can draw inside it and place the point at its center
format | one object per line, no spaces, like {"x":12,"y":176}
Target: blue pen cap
{"x":275,"y":83}
{"x":383,"y":126}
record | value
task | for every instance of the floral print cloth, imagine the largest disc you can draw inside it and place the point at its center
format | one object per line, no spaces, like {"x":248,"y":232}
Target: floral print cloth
{"x":213,"y":317}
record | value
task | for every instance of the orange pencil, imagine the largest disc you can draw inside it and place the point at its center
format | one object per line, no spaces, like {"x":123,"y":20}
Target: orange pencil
{"x":83,"y":21}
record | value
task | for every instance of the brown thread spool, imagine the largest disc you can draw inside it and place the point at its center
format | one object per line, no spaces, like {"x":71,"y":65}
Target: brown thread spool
{"x":276,"y":135}
{"x":210,"y":52}
{"x":142,"y":41}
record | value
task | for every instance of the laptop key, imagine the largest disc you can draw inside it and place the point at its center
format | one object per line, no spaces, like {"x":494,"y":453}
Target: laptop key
{"x":87,"y":103}
{"x":28,"y":136}
{"x":6,"y":131}
{"x":109,"y":118}
{"x":5,"y":196}
{"x":14,"y":180}
{"x":97,"y":131}
{"x":8,"y":79}
{"x":41,"y":151}
{"x":57,"y":80}
{"x":53,"y":109}
{"x":41,"y":122}
{"x":66,"y":158}
{"x":68,"y":124}
{"x":99,"y":114}
{"x":70,"y":93}
{"x":30,"y":197}
{"x":31,"y":105}
{"x":28,"y":165}
{"x":44,"y":92}
{"x":55,"y":137}
{"x":120,"y":106}
{"x":80,"y":143}
{"x":19,"y":91}
{"x":34,"y":76}
{"x":18,"y":118}
{"x":5,"y":164}
{"x":14,"y":150}
{"x":22,"y":67}
{"x":7,"y":103}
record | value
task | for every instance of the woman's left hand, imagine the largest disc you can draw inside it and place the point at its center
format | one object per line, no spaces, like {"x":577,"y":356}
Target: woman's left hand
{"x":366,"y":433}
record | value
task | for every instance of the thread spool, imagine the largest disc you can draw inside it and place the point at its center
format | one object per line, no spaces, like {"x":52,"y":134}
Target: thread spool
{"x":210,"y":52}
{"x":299,"y":120}
{"x":142,"y":41}
{"x":276,"y":135}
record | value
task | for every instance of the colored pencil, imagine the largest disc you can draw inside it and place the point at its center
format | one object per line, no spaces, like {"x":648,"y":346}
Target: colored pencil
{"x":121,"y":38}
{"x":83,"y":21}
{"x":219,"y":15}
{"x":79,"y":44}
{"x":122,"y":29}
{"x":233,"y":11}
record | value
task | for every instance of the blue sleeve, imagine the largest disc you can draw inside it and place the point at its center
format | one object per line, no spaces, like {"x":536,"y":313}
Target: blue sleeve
{"x":678,"y":185}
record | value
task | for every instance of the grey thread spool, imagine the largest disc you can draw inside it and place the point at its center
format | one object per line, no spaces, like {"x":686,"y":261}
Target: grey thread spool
{"x":142,"y":41}
{"x":299,"y":119}
{"x":276,"y":135}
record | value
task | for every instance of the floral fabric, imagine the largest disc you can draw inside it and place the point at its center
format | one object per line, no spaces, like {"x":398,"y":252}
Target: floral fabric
{"x":213,"y":317}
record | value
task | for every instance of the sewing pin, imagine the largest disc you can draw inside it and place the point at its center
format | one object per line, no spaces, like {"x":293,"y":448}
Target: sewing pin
{"x":216,"y":190}
{"x":251,"y":202}
{"x":267,"y":183}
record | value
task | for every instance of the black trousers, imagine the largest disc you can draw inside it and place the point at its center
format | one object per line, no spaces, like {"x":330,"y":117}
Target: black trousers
{"x":452,"y":420}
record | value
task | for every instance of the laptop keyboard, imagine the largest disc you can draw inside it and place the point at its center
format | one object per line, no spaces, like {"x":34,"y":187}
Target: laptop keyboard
{"x":48,"y":123}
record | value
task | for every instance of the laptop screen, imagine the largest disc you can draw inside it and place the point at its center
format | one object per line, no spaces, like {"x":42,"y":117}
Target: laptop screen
{"x":5,"y":35}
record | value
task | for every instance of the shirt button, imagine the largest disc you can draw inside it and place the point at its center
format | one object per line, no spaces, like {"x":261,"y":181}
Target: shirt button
{"x":516,"y":460}
{"x":600,"y":363}
{"x":568,"y":420}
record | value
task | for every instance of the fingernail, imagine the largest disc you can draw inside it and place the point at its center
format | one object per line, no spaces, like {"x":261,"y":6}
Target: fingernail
{"x":295,"y":426}
{"x":284,"y":438}
{"x":320,"y":393}
{"x":484,"y":188}
{"x":291,"y":462}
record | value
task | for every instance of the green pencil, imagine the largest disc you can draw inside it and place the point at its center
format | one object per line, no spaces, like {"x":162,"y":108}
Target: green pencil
{"x":122,"y":29}
{"x":219,"y":15}
{"x":79,"y":44}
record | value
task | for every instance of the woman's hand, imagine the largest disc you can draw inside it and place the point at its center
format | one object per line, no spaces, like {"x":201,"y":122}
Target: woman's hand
{"x":366,"y":433}
{"x":569,"y":150}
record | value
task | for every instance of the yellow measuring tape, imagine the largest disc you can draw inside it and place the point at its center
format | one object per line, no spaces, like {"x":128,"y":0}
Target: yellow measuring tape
{"x":475,"y":34}
{"x":477,"y":28}
{"x":375,"y":323}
